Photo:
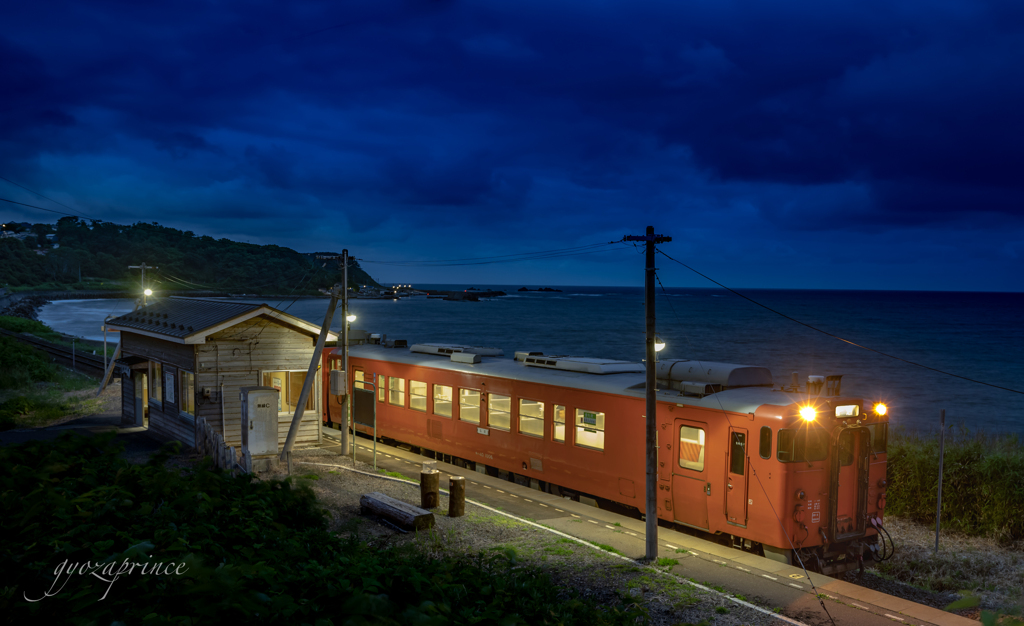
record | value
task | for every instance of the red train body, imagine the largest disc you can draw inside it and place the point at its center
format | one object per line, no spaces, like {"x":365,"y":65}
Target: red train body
{"x":735,"y":455}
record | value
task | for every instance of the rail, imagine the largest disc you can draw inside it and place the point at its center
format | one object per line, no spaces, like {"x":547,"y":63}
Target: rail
{"x":82,"y":361}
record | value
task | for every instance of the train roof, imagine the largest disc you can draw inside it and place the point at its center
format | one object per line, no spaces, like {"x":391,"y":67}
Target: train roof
{"x":630,"y":383}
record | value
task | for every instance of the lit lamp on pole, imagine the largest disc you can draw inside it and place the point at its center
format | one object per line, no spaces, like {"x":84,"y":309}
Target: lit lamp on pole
{"x":145,"y":294}
{"x":659,"y":345}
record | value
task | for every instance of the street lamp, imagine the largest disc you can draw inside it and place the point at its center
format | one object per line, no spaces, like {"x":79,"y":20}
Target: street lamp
{"x":350,"y":318}
{"x":659,"y":343}
{"x":148,"y":292}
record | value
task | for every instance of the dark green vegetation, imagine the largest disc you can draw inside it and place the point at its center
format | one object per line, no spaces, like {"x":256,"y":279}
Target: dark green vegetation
{"x":96,"y":255}
{"x":982,"y":487}
{"x":253,"y":552}
{"x":23,"y":325}
{"x":22,"y":365}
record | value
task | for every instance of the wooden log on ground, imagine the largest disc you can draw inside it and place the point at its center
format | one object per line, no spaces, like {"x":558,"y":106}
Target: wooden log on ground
{"x":457,"y":496}
{"x":430,"y":489}
{"x":401,"y":514}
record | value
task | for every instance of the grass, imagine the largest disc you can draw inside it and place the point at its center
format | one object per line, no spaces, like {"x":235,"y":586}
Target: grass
{"x":400,"y":475}
{"x":666,"y":562}
{"x":34,"y":391}
{"x":721,"y":610}
{"x":682,"y":551}
{"x":982,"y":486}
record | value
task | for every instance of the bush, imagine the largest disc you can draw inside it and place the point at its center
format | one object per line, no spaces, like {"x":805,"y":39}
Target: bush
{"x":249,"y":551}
{"x":982,"y":487}
{"x":21,"y":365}
{"x":23,"y":325}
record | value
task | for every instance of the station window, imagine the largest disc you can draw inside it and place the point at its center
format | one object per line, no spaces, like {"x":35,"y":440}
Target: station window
{"x":590,"y":429}
{"x":531,"y":417}
{"x":417,"y":396}
{"x":765,"y":449}
{"x":558,"y":432}
{"x":381,"y":389}
{"x":737,"y":453}
{"x":396,"y":391}
{"x":469,"y":405}
{"x":802,"y":445}
{"x":442,"y":400}
{"x":499,"y":411}
{"x":187,"y":397}
{"x":155,"y":375}
{"x":289,"y":387}
{"x":879,"y":437}
{"x":691,"y":448}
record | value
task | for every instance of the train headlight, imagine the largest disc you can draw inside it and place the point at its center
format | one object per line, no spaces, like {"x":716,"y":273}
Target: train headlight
{"x":808,"y":413}
{"x":881,"y":409}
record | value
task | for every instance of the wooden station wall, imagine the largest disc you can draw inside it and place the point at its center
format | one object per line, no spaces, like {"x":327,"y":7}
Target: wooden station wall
{"x":237,"y":357}
{"x":165,"y":418}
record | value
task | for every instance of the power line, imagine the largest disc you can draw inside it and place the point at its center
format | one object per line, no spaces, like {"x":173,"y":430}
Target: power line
{"x":32,"y":206}
{"x":37,"y":193}
{"x":857,"y":345}
{"x":505,"y":258}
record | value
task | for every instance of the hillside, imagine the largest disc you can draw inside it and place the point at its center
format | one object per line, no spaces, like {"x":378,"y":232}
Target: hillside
{"x":97,"y":255}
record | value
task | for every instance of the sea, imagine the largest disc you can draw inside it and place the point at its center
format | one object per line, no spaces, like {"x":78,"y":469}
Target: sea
{"x":918,"y":352}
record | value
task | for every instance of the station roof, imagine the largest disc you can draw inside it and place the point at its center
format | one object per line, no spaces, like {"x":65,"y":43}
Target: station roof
{"x":741,"y":400}
{"x":192,"y":320}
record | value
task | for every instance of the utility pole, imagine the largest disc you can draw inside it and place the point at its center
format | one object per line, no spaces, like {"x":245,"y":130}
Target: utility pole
{"x":345,"y":404}
{"x":143,"y":267}
{"x":650,"y":239}
{"x":314,"y":362}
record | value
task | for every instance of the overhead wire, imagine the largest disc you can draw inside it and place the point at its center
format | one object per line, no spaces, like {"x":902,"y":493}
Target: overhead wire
{"x":824,"y":332}
{"x":32,"y":206}
{"x":752,"y":469}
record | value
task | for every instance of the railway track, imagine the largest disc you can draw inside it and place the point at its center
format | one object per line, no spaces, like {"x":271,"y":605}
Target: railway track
{"x":78,"y":360}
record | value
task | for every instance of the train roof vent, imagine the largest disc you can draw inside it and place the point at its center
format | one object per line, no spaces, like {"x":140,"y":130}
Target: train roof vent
{"x":521,"y":355}
{"x":584,"y":364}
{"x":446,"y":349}
{"x":722,"y":375}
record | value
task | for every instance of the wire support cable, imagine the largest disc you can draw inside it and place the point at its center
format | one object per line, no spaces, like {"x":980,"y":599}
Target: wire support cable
{"x":32,"y":206}
{"x":852,"y":343}
{"x":504,"y":258}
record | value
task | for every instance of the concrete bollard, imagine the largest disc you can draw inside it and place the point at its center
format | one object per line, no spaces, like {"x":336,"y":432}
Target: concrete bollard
{"x":457,"y":496}
{"x":430,"y":486}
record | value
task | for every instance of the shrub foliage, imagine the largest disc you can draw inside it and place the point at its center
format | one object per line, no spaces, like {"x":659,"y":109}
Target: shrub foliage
{"x":257,"y":552}
{"x":982,"y":486}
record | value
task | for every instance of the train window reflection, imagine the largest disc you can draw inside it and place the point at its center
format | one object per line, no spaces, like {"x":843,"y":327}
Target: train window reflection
{"x":879,"y":437}
{"x":558,"y":432}
{"x":590,"y":429}
{"x":417,"y":396}
{"x":691,"y":448}
{"x":443,"y":400}
{"x":805,"y":444}
{"x":531,"y":417}
{"x":765,"y":449}
{"x":396,"y":389}
{"x":469,"y":405}
{"x":499,"y":411}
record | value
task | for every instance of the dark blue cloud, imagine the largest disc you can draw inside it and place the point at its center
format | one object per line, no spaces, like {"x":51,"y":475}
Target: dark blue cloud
{"x":762,"y":134}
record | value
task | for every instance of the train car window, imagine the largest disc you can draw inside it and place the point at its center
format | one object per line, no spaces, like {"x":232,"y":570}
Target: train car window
{"x":590,"y":429}
{"x":766,"y":442}
{"x":737,"y":453}
{"x":879,"y":437}
{"x":357,"y":376}
{"x":499,"y":411}
{"x":531,"y":417}
{"x":396,"y":391}
{"x":469,"y":405}
{"x":691,"y":448}
{"x":381,"y":389}
{"x":558,"y":432}
{"x":802,"y":445}
{"x":443,"y":400}
{"x":417,"y":396}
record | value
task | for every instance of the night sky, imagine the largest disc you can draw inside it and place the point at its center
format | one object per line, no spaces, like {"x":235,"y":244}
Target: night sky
{"x":855,"y":144}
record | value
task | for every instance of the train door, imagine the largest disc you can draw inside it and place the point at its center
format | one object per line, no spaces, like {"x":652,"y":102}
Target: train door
{"x":850,"y":484}
{"x":690,"y":487}
{"x":736,"y":480}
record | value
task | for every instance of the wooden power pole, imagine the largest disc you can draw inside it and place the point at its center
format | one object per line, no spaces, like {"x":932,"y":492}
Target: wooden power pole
{"x":650,"y":239}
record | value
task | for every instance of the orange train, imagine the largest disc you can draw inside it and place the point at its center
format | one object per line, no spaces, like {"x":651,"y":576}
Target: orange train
{"x":785,"y":472}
